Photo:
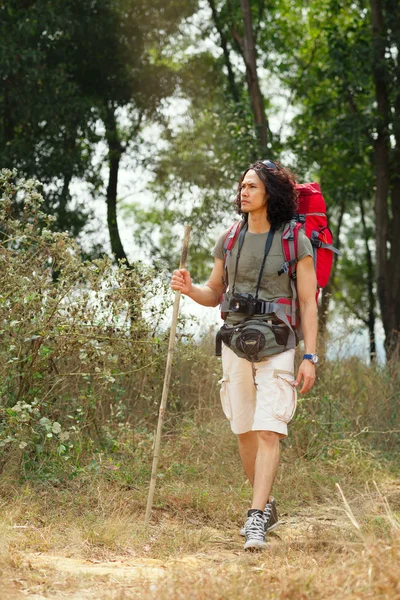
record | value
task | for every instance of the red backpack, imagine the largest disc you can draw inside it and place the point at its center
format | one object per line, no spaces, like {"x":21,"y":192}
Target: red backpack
{"x":311,"y":217}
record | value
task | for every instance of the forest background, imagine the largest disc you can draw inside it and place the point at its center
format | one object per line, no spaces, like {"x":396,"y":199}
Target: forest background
{"x":124,"y":111}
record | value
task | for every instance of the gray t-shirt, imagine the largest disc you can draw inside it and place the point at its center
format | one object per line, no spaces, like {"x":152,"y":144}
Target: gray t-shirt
{"x":273,"y":286}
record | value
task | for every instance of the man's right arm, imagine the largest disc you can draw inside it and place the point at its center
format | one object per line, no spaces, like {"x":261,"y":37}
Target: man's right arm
{"x":207,"y":295}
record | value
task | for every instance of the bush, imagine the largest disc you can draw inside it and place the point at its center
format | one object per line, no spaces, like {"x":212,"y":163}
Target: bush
{"x":351,"y":405}
{"x":72,"y":331}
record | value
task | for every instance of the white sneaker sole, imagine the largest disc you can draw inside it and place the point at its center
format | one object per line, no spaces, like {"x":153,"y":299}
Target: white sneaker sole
{"x":255,"y":545}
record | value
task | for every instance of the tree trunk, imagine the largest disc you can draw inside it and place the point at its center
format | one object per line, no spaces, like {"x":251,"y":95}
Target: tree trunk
{"x":327,"y":291}
{"x":65,"y":197}
{"x":250,"y":59}
{"x":115,"y":151}
{"x":392,"y":343}
{"x":8,"y":120}
{"x":69,"y":149}
{"x":370,"y":285}
{"x":382,"y":163}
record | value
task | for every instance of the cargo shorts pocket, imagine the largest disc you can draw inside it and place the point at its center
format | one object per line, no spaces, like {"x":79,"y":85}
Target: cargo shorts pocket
{"x":286,"y":396}
{"x":225,"y":399}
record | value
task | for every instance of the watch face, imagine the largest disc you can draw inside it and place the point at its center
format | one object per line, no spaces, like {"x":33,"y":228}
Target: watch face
{"x":314,"y":358}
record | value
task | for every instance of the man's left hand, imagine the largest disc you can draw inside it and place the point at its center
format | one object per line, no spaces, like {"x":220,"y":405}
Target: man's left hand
{"x":307,"y":373}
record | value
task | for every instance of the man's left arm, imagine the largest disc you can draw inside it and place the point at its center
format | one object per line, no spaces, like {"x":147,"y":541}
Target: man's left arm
{"x":306,"y":290}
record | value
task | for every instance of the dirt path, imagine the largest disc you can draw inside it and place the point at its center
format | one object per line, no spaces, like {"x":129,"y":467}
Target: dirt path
{"x":53,"y":576}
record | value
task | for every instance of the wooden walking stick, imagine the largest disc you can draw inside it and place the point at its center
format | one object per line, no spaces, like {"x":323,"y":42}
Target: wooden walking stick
{"x":167,"y":378}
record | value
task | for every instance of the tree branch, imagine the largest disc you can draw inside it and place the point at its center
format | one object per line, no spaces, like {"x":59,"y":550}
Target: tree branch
{"x":353,"y":310}
{"x":260,"y":14}
{"x":239,"y":41}
{"x":224,"y":45}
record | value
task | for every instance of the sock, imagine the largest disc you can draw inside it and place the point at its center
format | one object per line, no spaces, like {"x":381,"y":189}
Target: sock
{"x":254,"y":511}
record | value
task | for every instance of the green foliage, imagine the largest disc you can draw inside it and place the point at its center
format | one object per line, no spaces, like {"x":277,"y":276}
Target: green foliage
{"x":67,"y":66}
{"x":46,"y":125}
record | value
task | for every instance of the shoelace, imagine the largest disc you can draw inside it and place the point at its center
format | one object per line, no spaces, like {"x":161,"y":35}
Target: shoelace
{"x":267,"y":513}
{"x":255,"y":527}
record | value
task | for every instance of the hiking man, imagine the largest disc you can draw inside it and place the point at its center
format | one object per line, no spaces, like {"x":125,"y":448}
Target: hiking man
{"x":258,"y":391}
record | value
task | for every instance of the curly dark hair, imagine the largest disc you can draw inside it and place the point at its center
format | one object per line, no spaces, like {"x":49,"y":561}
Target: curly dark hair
{"x":279,"y":184}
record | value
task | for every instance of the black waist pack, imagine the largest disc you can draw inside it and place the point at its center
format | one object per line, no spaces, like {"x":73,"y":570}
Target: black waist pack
{"x":254,"y":340}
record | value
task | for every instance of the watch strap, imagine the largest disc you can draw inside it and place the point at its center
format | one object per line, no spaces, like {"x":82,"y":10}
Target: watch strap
{"x":311,"y":357}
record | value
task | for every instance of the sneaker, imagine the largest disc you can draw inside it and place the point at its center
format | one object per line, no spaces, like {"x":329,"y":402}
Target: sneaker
{"x":255,"y":532}
{"x":270,"y":516}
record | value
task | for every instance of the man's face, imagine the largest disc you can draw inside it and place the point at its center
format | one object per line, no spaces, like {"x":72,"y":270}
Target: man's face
{"x":253,"y":196}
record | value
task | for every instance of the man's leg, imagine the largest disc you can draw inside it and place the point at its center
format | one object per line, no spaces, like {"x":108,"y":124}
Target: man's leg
{"x":272,"y":398}
{"x":248,"y":447}
{"x":266,"y":467}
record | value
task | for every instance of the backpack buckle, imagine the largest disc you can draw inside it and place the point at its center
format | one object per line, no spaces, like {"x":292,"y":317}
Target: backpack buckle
{"x":316,"y":242}
{"x":284,"y":268}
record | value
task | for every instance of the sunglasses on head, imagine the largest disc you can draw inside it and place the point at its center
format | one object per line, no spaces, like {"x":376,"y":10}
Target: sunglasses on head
{"x":269,"y":164}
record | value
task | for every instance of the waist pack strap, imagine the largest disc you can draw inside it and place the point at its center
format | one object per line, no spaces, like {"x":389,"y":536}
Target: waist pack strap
{"x":280,"y":312}
{"x":218,"y":344}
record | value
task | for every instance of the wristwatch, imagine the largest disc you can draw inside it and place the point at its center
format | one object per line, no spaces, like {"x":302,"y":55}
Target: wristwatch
{"x":312,"y":357}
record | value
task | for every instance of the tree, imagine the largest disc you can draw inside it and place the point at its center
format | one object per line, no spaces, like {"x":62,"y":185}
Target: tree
{"x":240,"y":24}
{"x":345,"y":76}
{"x":247,"y":47}
{"x":372,"y":92}
{"x":225,"y":128}
{"x":125,"y":77}
{"x":385,"y":21}
{"x":99,"y":61}
{"x":46,"y":126}
{"x":353,"y":286}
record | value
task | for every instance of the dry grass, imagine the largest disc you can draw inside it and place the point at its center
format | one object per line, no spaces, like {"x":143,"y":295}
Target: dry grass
{"x":85,"y":538}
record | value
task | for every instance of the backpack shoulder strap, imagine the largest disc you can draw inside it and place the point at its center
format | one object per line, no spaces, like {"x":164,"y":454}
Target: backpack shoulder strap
{"x":290,"y":243}
{"x":290,"y":240}
{"x":229,"y":241}
{"x":231,"y":236}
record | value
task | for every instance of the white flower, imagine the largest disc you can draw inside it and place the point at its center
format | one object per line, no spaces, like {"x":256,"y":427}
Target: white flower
{"x":64,"y":436}
{"x":56,"y":427}
{"x":23,"y":445}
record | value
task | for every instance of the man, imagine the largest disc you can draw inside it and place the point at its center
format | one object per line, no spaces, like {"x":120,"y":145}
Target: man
{"x":259,"y":398}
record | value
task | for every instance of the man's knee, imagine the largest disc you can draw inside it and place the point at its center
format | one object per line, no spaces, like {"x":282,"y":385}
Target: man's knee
{"x":247,"y":438}
{"x":268,"y":437}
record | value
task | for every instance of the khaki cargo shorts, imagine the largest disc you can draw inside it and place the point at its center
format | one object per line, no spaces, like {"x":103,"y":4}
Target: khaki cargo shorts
{"x":267,"y":406}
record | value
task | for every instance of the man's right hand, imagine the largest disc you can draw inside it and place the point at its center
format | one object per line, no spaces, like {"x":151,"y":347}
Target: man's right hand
{"x":181,"y":281}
